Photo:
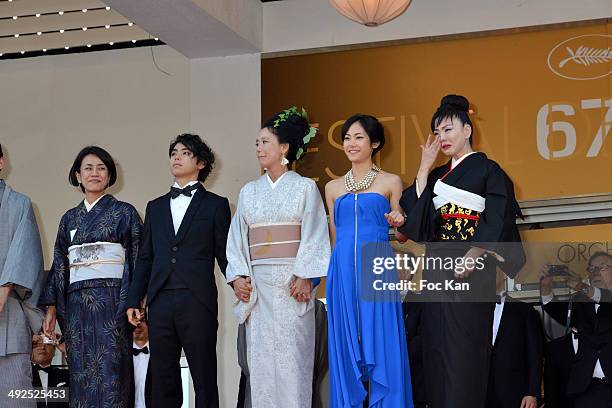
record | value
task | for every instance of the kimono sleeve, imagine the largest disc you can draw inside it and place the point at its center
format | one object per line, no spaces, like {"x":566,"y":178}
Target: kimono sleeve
{"x":132,"y":236}
{"x":420,"y":225}
{"x":498,"y":221}
{"x":54,"y":290}
{"x":23,"y":266}
{"x":313,"y":255}
{"x":237,"y":248}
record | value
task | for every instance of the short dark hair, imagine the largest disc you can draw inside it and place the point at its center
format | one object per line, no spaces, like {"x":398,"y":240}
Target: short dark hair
{"x":597,"y":255}
{"x":200,"y":150}
{"x":453,"y":107}
{"x":101,"y":154}
{"x":372,"y":127}
{"x":290,"y":130}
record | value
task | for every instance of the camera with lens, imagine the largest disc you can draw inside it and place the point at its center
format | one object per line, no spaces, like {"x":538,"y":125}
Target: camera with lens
{"x":558,"y":270}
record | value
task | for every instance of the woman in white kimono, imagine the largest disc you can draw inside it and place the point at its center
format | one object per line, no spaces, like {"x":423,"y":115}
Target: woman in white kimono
{"x":277,"y":250}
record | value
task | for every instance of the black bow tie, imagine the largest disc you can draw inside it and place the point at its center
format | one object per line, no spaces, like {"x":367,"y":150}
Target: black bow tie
{"x":175,"y":191}
{"x":45,"y":369}
{"x":137,"y":351}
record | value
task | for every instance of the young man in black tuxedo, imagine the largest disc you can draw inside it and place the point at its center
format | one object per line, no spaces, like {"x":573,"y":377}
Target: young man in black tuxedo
{"x":515,"y":373}
{"x":142,"y":367}
{"x":589,"y":382}
{"x":185,"y":230}
{"x":45,"y":375}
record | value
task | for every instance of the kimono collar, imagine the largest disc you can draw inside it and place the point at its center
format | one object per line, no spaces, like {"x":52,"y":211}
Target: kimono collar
{"x":88,"y":206}
{"x":273,"y":184}
{"x":454,"y":162}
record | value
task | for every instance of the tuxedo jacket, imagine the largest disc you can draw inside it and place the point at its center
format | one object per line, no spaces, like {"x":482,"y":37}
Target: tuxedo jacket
{"x":558,"y":357}
{"x":517,"y":356}
{"x":57,"y":377}
{"x":594,"y":336}
{"x":189,"y":254}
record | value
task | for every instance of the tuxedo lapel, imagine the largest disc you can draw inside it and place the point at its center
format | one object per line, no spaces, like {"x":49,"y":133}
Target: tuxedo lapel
{"x":166,"y":215}
{"x":194,"y":205}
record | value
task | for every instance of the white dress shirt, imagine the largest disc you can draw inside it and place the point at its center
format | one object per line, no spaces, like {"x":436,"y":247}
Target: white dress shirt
{"x":179,"y":205}
{"x":499,"y":310}
{"x":141,"y":365}
{"x":598,"y":370}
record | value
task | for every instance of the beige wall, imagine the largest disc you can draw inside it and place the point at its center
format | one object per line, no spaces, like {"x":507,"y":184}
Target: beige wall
{"x":53,"y":106}
{"x":303,"y":24}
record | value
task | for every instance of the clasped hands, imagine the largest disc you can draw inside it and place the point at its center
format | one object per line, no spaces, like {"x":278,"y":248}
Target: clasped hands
{"x":300,"y":289}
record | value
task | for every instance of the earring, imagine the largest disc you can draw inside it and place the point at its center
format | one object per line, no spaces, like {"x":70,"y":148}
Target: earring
{"x":284,"y":161}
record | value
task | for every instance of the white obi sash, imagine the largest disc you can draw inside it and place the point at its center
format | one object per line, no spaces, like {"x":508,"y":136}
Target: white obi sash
{"x":97,"y":260}
{"x":445,"y":193}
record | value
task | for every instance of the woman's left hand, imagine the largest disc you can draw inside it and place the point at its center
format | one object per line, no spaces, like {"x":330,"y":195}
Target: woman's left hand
{"x":300,"y":289}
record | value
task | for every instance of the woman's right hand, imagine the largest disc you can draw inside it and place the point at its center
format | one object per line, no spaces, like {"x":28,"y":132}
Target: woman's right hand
{"x":429,"y":153}
{"x":242,"y":288}
{"x":49,"y":322}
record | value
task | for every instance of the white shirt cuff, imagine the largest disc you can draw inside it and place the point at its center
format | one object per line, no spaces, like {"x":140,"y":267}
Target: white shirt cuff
{"x":418,"y":190}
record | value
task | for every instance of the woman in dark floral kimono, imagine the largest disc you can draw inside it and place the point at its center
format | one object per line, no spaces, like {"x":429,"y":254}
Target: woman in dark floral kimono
{"x":94,"y":255}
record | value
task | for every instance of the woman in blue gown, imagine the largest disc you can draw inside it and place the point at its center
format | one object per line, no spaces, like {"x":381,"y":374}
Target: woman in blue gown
{"x":368,"y":359}
{"x":93,"y":257}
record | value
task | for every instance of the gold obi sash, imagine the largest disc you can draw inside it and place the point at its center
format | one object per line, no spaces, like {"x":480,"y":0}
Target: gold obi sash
{"x":274,"y":240}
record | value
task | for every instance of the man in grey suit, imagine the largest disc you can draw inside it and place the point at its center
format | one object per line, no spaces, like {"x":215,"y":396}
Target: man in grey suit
{"x":20,"y":284}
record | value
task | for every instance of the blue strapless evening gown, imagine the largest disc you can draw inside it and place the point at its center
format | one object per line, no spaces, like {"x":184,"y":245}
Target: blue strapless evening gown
{"x":367,"y":341}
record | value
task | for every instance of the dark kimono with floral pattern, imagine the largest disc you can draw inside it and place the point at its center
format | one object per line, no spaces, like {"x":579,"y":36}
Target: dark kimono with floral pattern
{"x":91,"y":313}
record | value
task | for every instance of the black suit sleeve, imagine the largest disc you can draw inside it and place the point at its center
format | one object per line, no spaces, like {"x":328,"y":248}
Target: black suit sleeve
{"x":534,"y":338}
{"x":142,"y":271}
{"x":223,"y":218}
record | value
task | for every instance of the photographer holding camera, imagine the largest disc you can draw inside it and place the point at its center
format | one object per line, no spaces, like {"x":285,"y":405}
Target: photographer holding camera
{"x":590,"y":312}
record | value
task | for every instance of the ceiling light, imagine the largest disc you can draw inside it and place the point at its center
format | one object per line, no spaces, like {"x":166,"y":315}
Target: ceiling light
{"x":67,"y":47}
{"x":37,"y":14}
{"x":88,"y":45}
{"x":133,"y":41}
{"x":84,"y":10}
{"x":61,"y":31}
{"x":130,"y":24}
{"x":111,"y":43}
{"x":371,"y":13}
{"x":44,"y":50}
{"x":156,"y":39}
{"x":107,"y":26}
{"x":107,"y":8}
{"x":22,"y":52}
{"x":84,"y":28}
{"x":61,"y":13}
{"x":39,"y":33}
{"x":15,"y":17}
{"x":16,"y":35}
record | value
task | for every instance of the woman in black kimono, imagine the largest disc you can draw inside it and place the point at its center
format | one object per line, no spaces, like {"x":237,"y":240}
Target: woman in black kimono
{"x":86,"y":290}
{"x":471,"y":200}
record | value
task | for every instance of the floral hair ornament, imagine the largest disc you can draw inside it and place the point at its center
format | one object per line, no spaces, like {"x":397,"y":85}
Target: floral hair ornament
{"x":312,"y":131}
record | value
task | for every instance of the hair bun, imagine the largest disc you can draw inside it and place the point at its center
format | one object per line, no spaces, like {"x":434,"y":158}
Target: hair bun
{"x":456,"y":101}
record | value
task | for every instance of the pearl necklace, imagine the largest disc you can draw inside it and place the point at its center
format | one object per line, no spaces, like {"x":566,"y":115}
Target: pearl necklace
{"x":351,"y":185}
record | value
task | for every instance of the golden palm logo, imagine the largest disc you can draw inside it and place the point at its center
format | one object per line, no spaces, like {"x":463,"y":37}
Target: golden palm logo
{"x":582,"y":58}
